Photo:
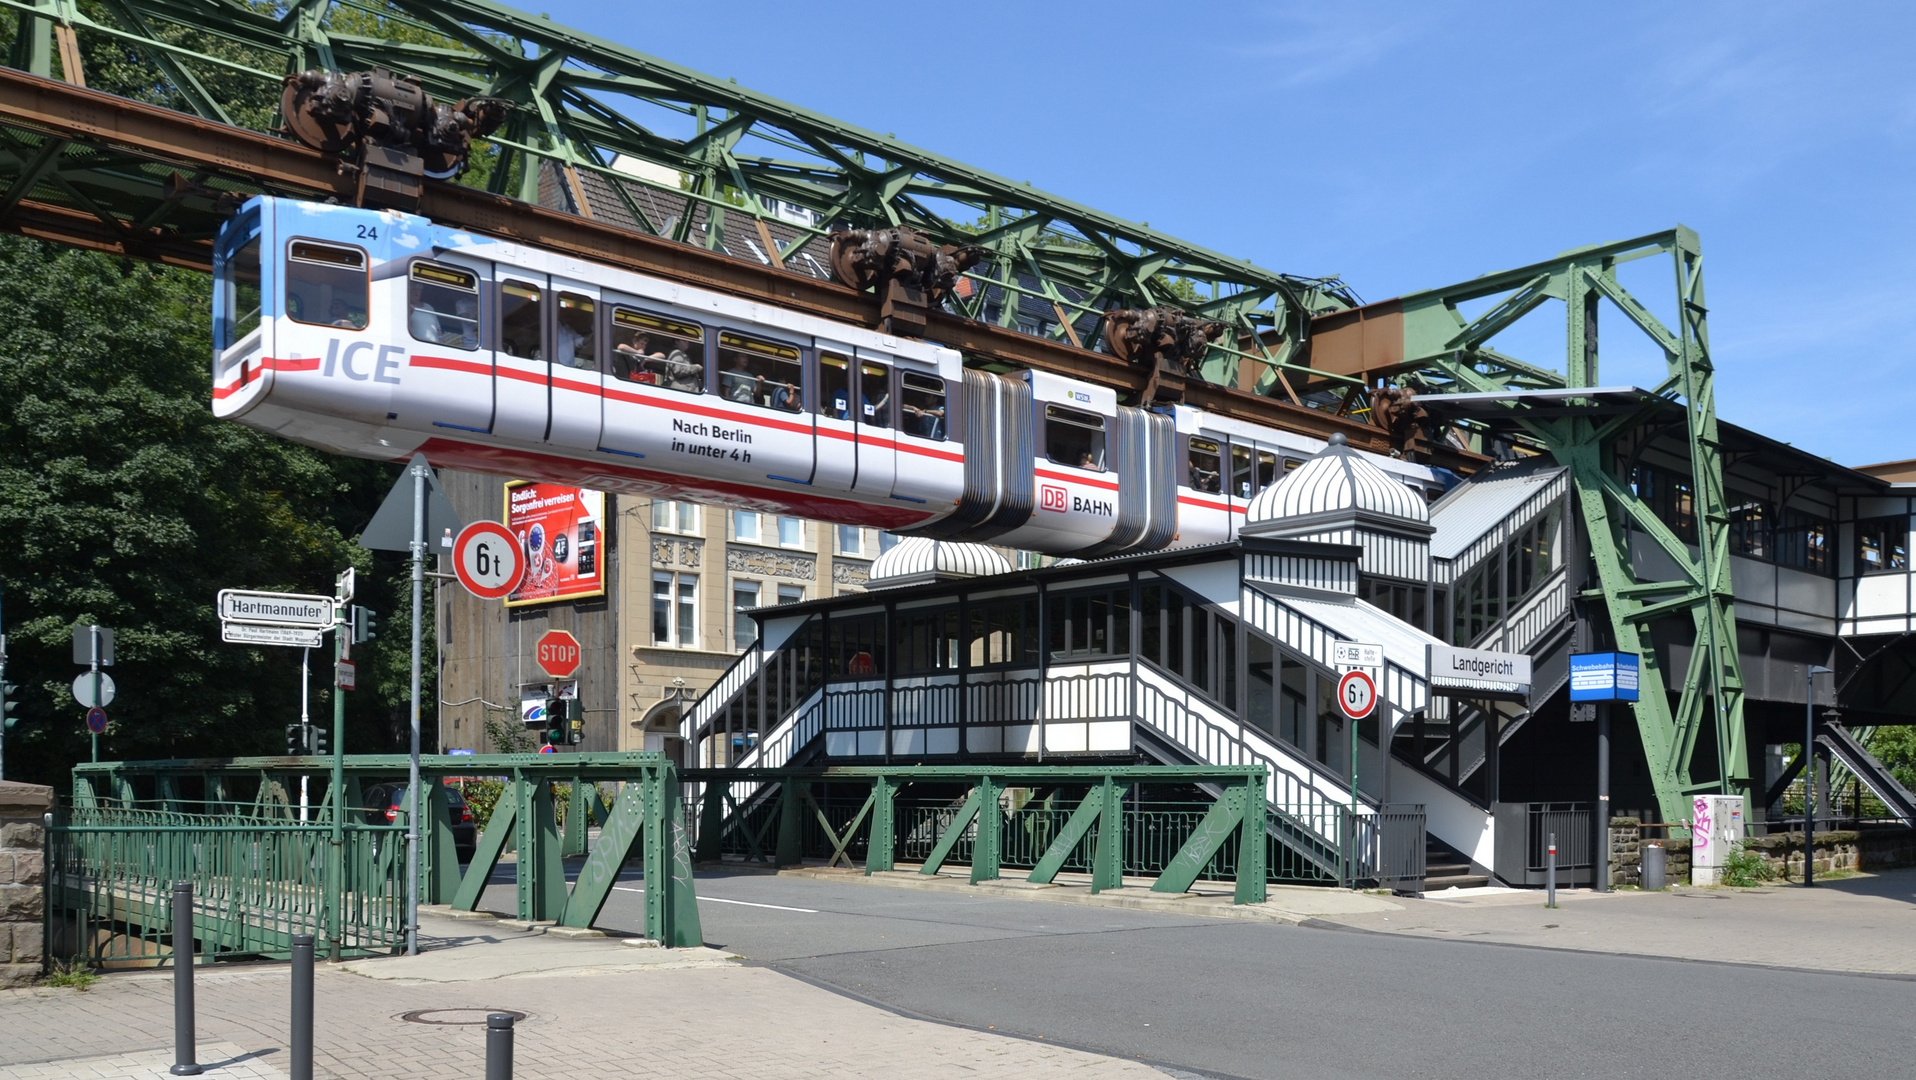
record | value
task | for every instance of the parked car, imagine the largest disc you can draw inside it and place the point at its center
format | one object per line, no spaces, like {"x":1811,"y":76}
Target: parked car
{"x":385,"y":801}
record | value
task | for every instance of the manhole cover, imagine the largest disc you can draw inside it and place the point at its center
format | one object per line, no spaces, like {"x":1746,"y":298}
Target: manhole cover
{"x":474,"y":1017}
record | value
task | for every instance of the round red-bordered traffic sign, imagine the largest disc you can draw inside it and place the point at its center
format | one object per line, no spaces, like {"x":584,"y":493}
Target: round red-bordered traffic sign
{"x":1356,"y":695}
{"x":487,"y":559}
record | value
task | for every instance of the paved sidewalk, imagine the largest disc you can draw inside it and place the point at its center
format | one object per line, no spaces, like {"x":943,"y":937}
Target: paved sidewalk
{"x":596,"y":1007}
{"x":1860,"y":924}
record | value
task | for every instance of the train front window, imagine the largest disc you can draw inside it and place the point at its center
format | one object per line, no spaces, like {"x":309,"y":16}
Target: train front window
{"x":767,"y":374}
{"x":1074,"y":438}
{"x":327,"y":285}
{"x":442,"y":306}
{"x":1204,"y":469}
{"x":578,"y":339}
{"x":922,"y":400}
{"x":242,"y":293}
{"x":520,"y":331}
{"x":658,"y":351}
{"x":1241,"y":478}
{"x":874,"y":395}
{"x":834,"y":387}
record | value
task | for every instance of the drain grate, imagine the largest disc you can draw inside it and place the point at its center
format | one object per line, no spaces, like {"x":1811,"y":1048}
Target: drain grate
{"x":457,"y":1017}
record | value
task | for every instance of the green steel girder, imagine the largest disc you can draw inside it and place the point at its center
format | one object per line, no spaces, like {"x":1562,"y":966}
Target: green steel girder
{"x":1444,"y":351}
{"x":583,"y":101}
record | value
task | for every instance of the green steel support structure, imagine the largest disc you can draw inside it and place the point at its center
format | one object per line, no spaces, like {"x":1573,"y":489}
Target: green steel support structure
{"x":1443,"y":351}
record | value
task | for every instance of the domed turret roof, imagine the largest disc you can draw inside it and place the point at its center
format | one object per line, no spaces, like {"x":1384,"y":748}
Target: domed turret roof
{"x":916,"y":559}
{"x":1337,"y":482}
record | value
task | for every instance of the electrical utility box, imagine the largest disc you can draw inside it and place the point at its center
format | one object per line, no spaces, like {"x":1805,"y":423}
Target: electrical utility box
{"x":1716,"y":828}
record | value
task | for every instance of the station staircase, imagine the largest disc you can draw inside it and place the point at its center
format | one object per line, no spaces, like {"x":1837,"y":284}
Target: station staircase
{"x":1847,"y":748}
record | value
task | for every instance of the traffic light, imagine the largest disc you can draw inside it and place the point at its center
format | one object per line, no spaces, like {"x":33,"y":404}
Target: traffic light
{"x":7,"y":704}
{"x":320,"y":735}
{"x":555,"y":717}
{"x":361,"y":619}
{"x":295,"y":739}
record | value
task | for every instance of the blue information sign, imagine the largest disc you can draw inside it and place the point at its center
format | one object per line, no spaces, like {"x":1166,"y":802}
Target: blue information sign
{"x":1606,"y":676}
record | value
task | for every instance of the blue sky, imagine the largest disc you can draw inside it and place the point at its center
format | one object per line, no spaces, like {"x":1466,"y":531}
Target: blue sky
{"x":1406,"y":146}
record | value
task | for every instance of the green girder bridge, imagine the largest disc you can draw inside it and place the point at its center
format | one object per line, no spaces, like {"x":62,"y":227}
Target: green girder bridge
{"x":151,"y":172}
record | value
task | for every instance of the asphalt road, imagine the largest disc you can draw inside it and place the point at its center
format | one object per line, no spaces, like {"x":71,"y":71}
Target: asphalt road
{"x":1246,"y":999}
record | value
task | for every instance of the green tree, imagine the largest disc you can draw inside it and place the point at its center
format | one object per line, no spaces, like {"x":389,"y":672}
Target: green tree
{"x":124,"y":502}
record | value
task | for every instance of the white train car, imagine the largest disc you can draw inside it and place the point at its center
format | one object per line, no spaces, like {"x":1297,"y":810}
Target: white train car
{"x":380,"y":334}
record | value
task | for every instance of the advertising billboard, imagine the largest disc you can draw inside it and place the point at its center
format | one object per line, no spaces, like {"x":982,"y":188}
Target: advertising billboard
{"x":561,"y":534}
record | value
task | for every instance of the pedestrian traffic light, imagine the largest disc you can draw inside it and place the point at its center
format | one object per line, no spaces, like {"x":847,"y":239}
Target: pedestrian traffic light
{"x":295,"y":737}
{"x":362,"y":620}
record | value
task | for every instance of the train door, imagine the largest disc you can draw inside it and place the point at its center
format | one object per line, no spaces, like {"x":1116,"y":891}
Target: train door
{"x":877,"y":411}
{"x":835,"y":439}
{"x":522,"y":381}
{"x":448,"y":381}
{"x":577,"y":385}
{"x":931,"y":460}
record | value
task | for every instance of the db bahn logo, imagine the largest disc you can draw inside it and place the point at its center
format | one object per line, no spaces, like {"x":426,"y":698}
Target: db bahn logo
{"x":1055,"y":498}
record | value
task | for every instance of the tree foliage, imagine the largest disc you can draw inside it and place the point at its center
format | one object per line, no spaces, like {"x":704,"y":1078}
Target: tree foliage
{"x":124,"y":502}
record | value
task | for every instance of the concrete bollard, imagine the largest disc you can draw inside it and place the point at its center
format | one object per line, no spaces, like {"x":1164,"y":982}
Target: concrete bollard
{"x":301,"y":1066}
{"x":499,"y":1046}
{"x":185,"y":1053}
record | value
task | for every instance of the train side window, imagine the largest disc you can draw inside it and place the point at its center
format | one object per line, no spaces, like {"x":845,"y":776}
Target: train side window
{"x":922,"y":400}
{"x":834,"y":386}
{"x":1074,"y":438}
{"x":658,"y":351}
{"x":1267,"y":471}
{"x":442,"y":305}
{"x":520,"y":330}
{"x":874,"y":395}
{"x":1241,"y":475}
{"x":763,"y":373}
{"x":577,"y":332}
{"x":1205,"y":472}
{"x":327,"y":285}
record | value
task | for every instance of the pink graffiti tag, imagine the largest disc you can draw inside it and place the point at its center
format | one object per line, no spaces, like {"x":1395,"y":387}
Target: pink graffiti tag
{"x":1700,"y":828}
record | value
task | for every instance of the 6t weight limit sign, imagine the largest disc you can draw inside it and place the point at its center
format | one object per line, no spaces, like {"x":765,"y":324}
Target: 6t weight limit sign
{"x":487,"y":559}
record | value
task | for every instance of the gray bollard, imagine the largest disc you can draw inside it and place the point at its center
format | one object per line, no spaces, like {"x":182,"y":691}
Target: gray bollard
{"x":301,"y":1067}
{"x":185,"y":1054}
{"x":499,"y":1046}
{"x":1654,"y":866}
{"x":1551,"y":880}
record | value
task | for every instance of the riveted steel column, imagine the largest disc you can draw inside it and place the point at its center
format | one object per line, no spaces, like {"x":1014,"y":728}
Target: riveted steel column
{"x":879,"y":851}
{"x":1107,"y":862}
{"x":790,"y":851}
{"x":1251,"y":884}
{"x":985,"y":846}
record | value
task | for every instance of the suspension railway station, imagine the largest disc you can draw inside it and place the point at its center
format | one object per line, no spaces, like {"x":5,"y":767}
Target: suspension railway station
{"x":668,"y":289}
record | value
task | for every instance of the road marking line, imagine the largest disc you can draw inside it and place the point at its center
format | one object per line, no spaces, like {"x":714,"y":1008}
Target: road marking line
{"x":741,"y":903}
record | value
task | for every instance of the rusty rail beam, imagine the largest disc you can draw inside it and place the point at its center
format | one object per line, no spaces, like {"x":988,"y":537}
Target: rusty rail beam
{"x":258,"y":160}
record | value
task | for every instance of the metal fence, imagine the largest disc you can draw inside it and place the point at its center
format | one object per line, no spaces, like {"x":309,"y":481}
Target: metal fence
{"x":256,"y":882}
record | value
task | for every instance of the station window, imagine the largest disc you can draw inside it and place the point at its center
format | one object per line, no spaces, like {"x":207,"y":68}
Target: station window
{"x":239,"y":283}
{"x":442,"y":305}
{"x":926,"y":640}
{"x":1004,"y":632}
{"x":520,"y":332}
{"x":874,"y":395}
{"x":1750,"y":523}
{"x":577,"y":332}
{"x":658,"y":351}
{"x":1803,"y":542}
{"x":834,"y":387}
{"x":1074,"y":438}
{"x":923,"y":404}
{"x":762,"y":373}
{"x":855,"y":646}
{"x":1882,"y":545}
{"x":1205,"y":469}
{"x":1089,"y":624}
{"x":327,"y":285}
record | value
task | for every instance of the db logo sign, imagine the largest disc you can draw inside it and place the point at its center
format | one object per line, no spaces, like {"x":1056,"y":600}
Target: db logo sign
{"x":1054,"y":498}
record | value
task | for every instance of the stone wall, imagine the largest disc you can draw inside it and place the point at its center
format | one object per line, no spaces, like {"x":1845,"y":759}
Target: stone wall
{"x":1626,"y":855}
{"x":23,"y":892}
{"x":1842,"y":849}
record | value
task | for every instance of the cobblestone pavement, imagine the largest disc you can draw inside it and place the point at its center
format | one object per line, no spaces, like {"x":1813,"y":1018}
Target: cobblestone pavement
{"x":585,"y":1017}
{"x":1860,"y":924}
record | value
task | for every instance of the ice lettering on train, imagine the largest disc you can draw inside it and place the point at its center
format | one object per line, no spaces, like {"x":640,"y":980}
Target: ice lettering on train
{"x":712,"y":449}
{"x":384,"y":367}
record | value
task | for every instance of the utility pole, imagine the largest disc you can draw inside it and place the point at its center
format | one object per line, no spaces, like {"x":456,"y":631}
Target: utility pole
{"x":419,"y":470}
{"x":1809,"y":771}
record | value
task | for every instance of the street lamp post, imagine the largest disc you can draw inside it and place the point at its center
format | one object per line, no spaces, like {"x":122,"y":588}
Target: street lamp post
{"x":1809,"y":771}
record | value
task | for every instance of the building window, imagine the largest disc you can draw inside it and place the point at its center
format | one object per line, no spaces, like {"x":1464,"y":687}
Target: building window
{"x":851,"y":540}
{"x":671,"y":516}
{"x":675,"y":610}
{"x":1802,"y":541}
{"x":886,"y":541}
{"x":744,"y":628}
{"x":791,"y":594}
{"x":745,"y":526}
{"x":1882,"y":545}
{"x":791,"y":532}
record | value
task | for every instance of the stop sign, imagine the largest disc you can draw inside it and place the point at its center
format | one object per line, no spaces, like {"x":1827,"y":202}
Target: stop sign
{"x":558,"y":653}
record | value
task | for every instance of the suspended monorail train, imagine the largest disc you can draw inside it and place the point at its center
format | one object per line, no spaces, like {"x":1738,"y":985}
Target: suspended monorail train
{"x":378,"y":334}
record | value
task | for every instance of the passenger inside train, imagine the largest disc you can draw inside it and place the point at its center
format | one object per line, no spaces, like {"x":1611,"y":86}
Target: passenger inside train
{"x":1074,"y":438}
{"x":659,"y":352}
{"x":575,"y":346}
{"x":444,"y":305}
{"x":1207,"y":470}
{"x":763,"y":373}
